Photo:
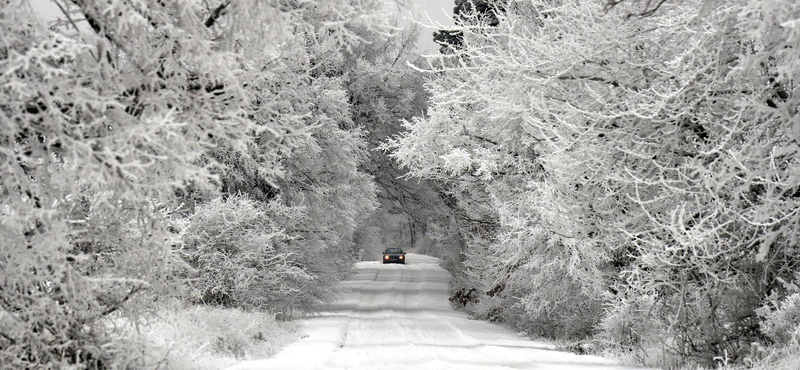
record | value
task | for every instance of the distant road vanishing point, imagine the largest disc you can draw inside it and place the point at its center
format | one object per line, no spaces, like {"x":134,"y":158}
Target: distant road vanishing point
{"x":398,"y":317}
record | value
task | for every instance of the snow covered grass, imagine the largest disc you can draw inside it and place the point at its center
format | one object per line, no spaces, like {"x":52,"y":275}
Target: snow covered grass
{"x":785,"y":359}
{"x":654,"y":356}
{"x":760,"y":358}
{"x":202,"y":337}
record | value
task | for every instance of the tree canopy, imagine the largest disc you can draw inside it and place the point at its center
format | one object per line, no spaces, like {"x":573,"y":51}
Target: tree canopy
{"x":152,"y":150}
{"x":639,"y":157}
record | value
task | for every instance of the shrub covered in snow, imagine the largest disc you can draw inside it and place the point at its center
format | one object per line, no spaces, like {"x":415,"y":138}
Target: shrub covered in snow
{"x":203,"y":337}
{"x":242,"y":258}
{"x":781,"y":316}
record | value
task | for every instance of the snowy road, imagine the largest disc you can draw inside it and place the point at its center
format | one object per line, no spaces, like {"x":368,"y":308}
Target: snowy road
{"x":398,"y":317}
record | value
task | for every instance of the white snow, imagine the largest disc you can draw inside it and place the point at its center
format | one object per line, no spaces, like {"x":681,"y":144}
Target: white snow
{"x":398,"y":317}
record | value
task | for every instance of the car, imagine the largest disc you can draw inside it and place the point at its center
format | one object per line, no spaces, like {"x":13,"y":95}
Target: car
{"x":395,"y":255}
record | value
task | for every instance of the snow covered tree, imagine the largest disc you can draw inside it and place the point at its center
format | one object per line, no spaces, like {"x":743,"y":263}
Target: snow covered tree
{"x":111,"y":112}
{"x":627,"y":154}
{"x":383,"y":90}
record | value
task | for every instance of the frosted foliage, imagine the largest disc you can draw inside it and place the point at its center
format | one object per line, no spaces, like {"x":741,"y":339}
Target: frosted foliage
{"x":781,"y":316}
{"x":631,"y":155}
{"x":242,"y":257}
{"x":115,"y":115}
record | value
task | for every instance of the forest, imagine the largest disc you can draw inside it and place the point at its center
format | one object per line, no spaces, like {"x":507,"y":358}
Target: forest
{"x":619,"y":176}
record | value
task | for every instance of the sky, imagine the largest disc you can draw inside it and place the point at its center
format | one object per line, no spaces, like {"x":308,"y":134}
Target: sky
{"x":440,"y":12}
{"x":45,"y":9}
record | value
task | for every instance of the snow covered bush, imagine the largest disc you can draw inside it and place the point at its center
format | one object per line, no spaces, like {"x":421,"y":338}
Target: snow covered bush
{"x":66,"y":285}
{"x":242,"y":258}
{"x":190,"y":337}
{"x":780,"y":323}
{"x":781,"y":316}
{"x":632,"y":331}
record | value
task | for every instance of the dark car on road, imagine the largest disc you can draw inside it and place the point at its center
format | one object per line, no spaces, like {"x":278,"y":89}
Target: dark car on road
{"x":394,"y":255}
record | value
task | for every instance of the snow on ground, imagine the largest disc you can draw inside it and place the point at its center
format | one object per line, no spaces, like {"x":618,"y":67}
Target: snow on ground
{"x":398,"y":317}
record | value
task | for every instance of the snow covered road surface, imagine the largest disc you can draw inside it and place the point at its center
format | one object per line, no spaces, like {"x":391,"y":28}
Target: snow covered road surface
{"x":398,"y":317}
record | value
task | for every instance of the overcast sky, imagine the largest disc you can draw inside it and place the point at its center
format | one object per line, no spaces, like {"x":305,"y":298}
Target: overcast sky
{"x":439,"y":12}
{"x":46,"y":9}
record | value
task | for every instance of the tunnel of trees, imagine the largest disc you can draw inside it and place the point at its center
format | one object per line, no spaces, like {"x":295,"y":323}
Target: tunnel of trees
{"x":622,"y":175}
